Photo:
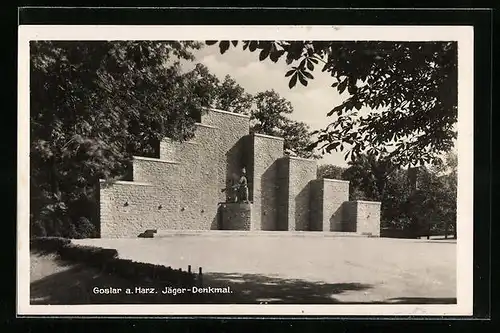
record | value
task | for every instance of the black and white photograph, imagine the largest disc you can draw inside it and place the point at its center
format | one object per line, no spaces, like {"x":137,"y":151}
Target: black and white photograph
{"x":245,"y":170}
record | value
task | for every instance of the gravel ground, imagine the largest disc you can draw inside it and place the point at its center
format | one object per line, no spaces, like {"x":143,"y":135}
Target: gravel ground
{"x":306,"y":269}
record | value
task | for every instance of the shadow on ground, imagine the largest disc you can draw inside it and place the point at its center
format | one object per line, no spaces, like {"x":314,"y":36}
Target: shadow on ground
{"x":255,"y":288}
{"x":421,"y":300}
{"x":74,"y":283}
{"x":75,"y":286}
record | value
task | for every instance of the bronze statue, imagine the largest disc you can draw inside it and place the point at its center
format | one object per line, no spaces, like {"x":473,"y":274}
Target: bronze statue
{"x":243,"y":187}
{"x":240,"y":188}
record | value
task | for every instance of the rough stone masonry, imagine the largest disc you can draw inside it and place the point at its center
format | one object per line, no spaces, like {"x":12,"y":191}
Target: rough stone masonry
{"x":181,"y":190}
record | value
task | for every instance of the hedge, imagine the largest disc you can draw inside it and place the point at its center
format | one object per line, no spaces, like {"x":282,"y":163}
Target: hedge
{"x":108,"y":261}
{"x":49,"y":244}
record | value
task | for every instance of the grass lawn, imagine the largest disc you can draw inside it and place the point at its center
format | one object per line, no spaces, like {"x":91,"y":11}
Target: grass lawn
{"x":270,"y":269}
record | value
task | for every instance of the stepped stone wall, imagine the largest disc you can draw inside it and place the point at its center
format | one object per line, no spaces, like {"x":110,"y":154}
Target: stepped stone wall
{"x":181,"y":190}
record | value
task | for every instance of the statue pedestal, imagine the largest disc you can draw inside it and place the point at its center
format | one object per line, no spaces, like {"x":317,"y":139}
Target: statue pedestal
{"x":236,"y":216}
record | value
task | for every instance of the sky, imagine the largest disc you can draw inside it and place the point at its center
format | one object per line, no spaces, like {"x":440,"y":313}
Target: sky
{"x":310,"y":103}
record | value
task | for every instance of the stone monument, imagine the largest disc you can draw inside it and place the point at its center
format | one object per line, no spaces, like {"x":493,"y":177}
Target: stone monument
{"x":181,"y":190}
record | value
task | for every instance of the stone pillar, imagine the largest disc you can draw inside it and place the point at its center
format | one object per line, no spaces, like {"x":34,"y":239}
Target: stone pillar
{"x":295,"y":177}
{"x":362,"y":217}
{"x":266,"y":152}
{"x":335,"y":194}
{"x":368,"y":218}
{"x":316,"y":205}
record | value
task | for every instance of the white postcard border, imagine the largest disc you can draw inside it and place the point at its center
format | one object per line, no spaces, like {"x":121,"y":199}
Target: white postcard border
{"x":462,"y":34}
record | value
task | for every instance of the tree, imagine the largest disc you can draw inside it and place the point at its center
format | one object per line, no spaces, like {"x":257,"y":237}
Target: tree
{"x":394,"y":212}
{"x":298,"y":138}
{"x":94,"y":105}
{"x":203,"y":83}
{"x":268,"y":110}
{"x":408,"y":91}
{"x":225,"y":95}
{"x":330,"y":171}
{"x":232,"y":97}
{"x":270,"y":117}
{"x":370,"y":173}
{"x":446,"y":192}
{"x":432,"y":205}
{"x":377,"y":179}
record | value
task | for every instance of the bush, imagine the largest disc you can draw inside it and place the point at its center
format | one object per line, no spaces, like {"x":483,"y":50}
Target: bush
{"x":396,"y":233}
{"x":107,"y":259}
{"x":85,"y":228}
{"x":49,"y":244}
{"x":37,"y":229}
{"x":95,"y":256}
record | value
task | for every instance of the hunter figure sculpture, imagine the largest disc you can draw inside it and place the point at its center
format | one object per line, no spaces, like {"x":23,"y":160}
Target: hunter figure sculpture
{"x":240,"y":189}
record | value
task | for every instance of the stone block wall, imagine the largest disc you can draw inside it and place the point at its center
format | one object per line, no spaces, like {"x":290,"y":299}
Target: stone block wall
{"x":266,"y":152}
{"x":182,"y":189}
{"x":184,"y":185}
{"x":151,"y":170}
{"x":123,"y":210}
{"x":227,"y":145}
{"x":169,"y":149}
{"x":198,"y":182}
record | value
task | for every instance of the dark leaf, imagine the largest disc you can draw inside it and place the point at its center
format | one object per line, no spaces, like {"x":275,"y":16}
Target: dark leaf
{"x":275,"y":55}
{"x":293,"y":81}
{"x":234,"y":42}
{"x":342,"y":86}
{"x":302,"y":80}
{"x":290,"y":72}
{"x":263,"y":54}
{"x":253,"y":46}
{"x":211,"y":42}
{"x":335,"y":110}
{"x":308,"y":75}
{"x":332,"y":146}
{"x":224,"y":46}
{"x":312,"y":146}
